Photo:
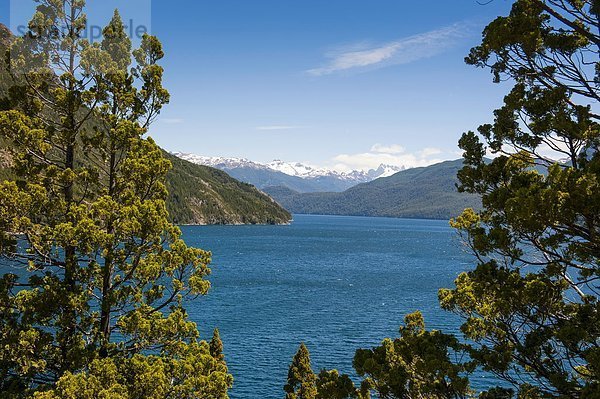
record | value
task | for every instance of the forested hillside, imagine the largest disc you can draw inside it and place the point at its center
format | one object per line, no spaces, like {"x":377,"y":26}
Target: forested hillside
{"x":204,"y":195}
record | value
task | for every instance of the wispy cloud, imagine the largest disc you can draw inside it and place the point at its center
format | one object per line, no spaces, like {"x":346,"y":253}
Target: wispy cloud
{"x":278,"y":127}
{"x":402,"y":51}
{"x":430,"y":151}
{"x":388,"y":149}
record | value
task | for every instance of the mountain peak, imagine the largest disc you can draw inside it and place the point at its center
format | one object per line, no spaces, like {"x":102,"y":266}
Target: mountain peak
{"x":385,"y":170}
{"x":296,"y":170}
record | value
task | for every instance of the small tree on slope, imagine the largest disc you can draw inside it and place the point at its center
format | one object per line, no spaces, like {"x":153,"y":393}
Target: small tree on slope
{"x":301,"y":382}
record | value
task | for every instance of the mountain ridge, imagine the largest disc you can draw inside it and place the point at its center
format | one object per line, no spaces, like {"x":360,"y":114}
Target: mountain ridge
{"x":427,"y":192}
{"x":294,"y":175}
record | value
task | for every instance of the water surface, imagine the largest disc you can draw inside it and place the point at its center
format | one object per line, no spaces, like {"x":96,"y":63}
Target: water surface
{"x":335,"y":283}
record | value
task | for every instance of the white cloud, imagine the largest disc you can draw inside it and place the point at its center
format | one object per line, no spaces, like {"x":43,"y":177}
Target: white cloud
{"x":558,"y":152}
{"x":394,"y":155}
{"x":278,"y":127}
{"x":402,"y":51}
{"x":430,"y":151}
{"x":391,"y":149}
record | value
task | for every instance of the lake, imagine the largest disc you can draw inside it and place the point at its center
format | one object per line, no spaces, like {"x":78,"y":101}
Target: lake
{"x":336,"y":283}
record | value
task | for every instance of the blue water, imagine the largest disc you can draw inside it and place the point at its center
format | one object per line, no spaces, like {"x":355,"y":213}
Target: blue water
{"x":335,"y":283}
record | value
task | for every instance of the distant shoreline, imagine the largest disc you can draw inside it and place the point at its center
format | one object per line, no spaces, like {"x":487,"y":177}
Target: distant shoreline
{"x":314,"y":215}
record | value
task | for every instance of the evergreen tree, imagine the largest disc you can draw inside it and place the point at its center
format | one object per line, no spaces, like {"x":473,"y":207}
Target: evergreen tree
{"x":216,"y":346}
{"x":419,"y":364}
{"x":301,"y":382}
{"x":94,"y":303}
{"x":532,"y":303}
{"x":332,"y":385}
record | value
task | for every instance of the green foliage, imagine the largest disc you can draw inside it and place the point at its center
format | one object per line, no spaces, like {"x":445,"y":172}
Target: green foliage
{"x":94,"y":304}
{"x":415,"y":193}
{"x":147,"y":377}
{"x":531,"y":306}
{"x":332,"y":385}
{"x":418,"y":364}
{"x":301,"y":382}
{"x":216,"y":346}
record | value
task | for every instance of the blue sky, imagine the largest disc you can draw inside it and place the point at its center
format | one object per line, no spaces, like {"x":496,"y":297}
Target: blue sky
{"x":337,"y":83}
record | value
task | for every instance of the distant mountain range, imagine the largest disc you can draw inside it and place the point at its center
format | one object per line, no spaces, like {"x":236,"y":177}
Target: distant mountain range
{"x":389,"y":191}
{"x":428,"y":193}
{"x":294,"y":176}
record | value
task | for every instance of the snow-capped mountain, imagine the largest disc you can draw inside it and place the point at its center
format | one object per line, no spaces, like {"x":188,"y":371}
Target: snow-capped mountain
{"x":220,"y":162}
{"x":308,"y":172}
{"x":294,"y":175}
{"x":385,"y":171}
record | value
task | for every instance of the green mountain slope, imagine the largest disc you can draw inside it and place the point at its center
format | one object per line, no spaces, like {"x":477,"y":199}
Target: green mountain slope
{"x":204,"y":195}
{"x":428,"y":193}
